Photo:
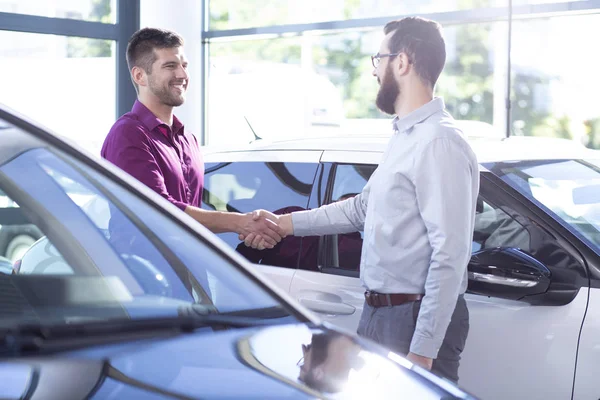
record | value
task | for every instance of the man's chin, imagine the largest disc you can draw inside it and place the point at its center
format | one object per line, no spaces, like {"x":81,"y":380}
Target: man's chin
{"x":177,"y":101}
{"x":386,"y":110}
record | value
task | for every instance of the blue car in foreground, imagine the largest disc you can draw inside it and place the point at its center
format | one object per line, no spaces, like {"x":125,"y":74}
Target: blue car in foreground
{"x":126,"y":297}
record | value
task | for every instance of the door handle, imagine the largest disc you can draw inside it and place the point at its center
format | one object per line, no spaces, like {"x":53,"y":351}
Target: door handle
{"x":327,"y":307}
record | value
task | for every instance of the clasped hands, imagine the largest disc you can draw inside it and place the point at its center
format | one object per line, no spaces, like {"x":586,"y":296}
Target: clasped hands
{"x":262,"y":229}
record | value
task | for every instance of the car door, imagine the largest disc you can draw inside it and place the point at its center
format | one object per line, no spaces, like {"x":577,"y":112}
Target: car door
{"x":524,"y":326}
{"x":277,"y":181}
{"x":334,"y":292}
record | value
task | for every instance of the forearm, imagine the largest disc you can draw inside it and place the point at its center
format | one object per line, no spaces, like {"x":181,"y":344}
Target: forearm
{"x":216,"y":221}
{"x":442,"y":289}
{"x":341,"y":217}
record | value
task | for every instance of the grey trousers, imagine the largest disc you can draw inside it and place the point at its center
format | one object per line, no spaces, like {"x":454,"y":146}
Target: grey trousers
{"x":393,"y":327}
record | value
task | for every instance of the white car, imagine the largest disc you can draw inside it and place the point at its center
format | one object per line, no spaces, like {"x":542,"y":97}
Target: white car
{"x":534,"y":275}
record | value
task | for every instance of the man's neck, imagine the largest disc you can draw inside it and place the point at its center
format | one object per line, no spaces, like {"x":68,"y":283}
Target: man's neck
{"x":411,"y":100}
{"x":160,"y":111}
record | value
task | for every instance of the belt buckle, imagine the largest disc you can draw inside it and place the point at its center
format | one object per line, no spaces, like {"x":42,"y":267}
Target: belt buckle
{"x":373,"y":298}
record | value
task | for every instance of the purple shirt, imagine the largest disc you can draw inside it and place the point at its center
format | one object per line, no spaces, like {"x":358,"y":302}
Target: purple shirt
{"x":168,"y":160}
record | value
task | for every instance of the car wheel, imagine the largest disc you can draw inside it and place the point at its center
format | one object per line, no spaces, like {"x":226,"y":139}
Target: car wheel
{"x":17,"y":247}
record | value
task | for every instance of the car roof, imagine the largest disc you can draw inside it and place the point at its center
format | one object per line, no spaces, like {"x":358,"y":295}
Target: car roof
{"x":487,"y":149}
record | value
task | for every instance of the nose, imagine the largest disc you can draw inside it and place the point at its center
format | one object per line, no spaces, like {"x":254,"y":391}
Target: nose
{"x":182,"y":73}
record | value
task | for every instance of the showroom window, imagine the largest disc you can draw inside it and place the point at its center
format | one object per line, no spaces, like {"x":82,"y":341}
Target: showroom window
{"x":63,"y":64}
{"x":282,"y":69}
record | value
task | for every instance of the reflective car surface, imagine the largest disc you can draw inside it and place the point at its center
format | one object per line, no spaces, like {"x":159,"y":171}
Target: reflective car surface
{"x":218,"y":363}
{"x":125,"y":297}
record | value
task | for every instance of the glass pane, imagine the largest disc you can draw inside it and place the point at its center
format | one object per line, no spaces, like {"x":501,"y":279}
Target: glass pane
{"x":87,"y":10}
{"x":474,"y":76}
{"x":315,"y":85}
{"x":555,"y":94}
{"x":150,"y":268}
{"x":65,"y":83}
{"x":567,"y":188}
{"x":247,"y":186}
{"x":235,"y":14}
{"x":498,"y":227}
{"x":344,"y":250}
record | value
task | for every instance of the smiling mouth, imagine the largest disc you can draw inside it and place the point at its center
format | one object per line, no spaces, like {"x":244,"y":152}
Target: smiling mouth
{"x":180,"y":87}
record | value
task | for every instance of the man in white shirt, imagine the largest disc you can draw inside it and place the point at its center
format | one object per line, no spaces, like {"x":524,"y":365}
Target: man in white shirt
{"x":417,"y":211}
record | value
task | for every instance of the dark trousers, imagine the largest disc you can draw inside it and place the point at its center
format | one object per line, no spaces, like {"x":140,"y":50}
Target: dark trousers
{"x":393,"y":327}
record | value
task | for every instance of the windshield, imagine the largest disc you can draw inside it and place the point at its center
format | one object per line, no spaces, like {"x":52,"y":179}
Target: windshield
{"x":569,"y":189}
{"x":94,"y":251}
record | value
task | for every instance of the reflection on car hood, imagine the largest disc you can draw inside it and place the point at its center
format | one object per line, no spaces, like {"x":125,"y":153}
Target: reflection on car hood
{"x":284,"y":361}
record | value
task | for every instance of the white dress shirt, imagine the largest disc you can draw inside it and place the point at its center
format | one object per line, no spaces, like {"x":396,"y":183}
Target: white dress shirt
{"x":417,"y":212}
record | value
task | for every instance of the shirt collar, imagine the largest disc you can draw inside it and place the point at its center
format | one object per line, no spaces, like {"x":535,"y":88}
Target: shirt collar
{"x":151,"y":122}
{"x":420,"y":114}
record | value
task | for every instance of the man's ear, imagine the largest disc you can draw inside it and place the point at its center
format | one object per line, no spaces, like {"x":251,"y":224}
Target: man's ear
{"x":139,"y":76}
{"x":404,"y":64}
{"x":318,"y":373}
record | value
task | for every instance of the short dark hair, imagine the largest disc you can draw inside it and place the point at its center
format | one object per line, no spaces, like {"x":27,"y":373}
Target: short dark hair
{"x":319,"y":351}
{"x":422,"y":41}
{"x":141,"y":46}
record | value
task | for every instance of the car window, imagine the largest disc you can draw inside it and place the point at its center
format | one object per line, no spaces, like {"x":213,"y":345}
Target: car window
{"x":500,"y":227}
{"x":343,"y":251}
{"x":247,"y":186}
{"x":567,"y":189}
{"x":495,"y":226}
{"x":110,"y":252}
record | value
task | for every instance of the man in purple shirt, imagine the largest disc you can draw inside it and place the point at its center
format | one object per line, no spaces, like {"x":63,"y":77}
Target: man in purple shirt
{"x":152,"y":145}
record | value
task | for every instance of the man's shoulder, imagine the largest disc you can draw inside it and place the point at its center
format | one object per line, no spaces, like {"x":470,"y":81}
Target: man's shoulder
{"x":445,"y":131}
{"x":127,"y":126}
{"x":127,"y":121}
{"x":441,"y":126}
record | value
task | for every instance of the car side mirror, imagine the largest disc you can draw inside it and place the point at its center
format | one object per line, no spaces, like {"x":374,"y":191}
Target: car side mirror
{"x":508,"y":273}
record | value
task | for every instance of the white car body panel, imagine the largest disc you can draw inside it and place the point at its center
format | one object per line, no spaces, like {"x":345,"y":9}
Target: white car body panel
{"x":267,"y":156}
{"x":337,"y":299}
{"x":282,"y":277}
{"x":587,"y":385}
{"x":514,"y":350}
{"x":518,"y":351}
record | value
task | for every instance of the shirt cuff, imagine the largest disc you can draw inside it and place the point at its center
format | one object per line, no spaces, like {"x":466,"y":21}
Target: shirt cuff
{"x":301,"y":223}
{"x":179,"y":204}
{"x":425,"y":347}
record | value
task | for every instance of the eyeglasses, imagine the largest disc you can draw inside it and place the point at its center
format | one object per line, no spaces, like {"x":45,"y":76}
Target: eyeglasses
{"x":305,"y":348}
{"x":377,"y":58}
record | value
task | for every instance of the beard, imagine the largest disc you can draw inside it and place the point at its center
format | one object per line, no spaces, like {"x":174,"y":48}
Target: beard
{"x":165,"y":95}
{"x":388,"y":93}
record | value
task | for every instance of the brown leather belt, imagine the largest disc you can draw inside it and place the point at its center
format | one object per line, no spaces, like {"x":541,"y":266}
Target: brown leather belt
{"x":375,"y":299}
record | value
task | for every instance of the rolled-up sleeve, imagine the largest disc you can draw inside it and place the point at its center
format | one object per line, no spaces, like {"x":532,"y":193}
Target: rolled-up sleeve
{"x":340,"y":217}
{"x":128,"y":147}
{"x":443,"y":181}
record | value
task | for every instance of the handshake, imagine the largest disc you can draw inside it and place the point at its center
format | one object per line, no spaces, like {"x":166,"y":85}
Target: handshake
{"x":262,"y":229}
